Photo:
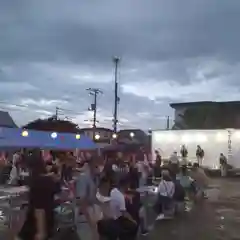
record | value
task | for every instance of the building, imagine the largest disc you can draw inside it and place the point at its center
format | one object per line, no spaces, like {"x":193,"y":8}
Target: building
{"x":135,"y":136}
{"x":6,"y":120}
{"x":206,"y":115}
{"x":103,"y":136}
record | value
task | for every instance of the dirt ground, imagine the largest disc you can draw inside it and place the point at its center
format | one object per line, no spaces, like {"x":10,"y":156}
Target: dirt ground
{"x":217,"y":218}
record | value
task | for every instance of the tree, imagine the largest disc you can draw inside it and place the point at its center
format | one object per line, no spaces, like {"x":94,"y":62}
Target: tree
{"x":52,"y":124}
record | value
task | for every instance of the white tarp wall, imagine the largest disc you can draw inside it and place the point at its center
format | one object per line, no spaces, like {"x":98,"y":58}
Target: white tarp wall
{"x":234,"y":160}
{"x":213,"y":142}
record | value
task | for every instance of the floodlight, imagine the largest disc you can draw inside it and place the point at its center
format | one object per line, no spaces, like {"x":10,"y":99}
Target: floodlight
{"x":25,"y":133}
{"x":54,"y":135}
{"x":114,"y":136}
{"x":132,"y":134}
{"x":97,"y":136}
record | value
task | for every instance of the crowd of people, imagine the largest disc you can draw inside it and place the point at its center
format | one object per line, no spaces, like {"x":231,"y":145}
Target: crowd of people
{"x":105,"y":190}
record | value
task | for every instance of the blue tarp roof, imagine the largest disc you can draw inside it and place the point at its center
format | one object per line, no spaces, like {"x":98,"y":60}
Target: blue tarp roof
{"x":12,"y":137}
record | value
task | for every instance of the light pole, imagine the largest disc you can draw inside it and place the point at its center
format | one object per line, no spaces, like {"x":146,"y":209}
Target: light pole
{"x":116,"y":98}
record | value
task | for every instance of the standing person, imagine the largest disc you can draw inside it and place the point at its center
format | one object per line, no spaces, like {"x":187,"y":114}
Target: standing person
{"x":184,"y":155}
{"x":133,"y":175}
{"x":166,"y":190}
{"x":39,"y":223}
{"x":174,"y":164}
{"x":119,"y":167}
{"x":223,"y":165}
{"x":199,"y":155}
{"x":157,"y":169}
{"x":143,"y":169}
{"x":158,"y":157}
{"x":86,"y":189}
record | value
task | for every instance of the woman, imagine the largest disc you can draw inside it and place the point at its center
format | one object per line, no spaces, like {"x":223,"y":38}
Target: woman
{"x":39,"y":223}
{"x":166,"y":190}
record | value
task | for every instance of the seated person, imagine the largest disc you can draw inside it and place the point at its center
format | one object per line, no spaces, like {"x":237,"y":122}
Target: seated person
{"x":166,"y":190}
{"x":127,"y":225}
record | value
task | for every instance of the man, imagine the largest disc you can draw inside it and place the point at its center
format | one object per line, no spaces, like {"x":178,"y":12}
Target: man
{"x":184,"y":155}
{"x":86,"y":189}
{"x":127,"y":225}
{"x":158,"y":157}
{"x":119,"y":167}
{"x":157,"y":169}
{"x":223,"y":165}
{"x":174,"y":164}
{"x":199,"y":154}
{"x":143,"y":169}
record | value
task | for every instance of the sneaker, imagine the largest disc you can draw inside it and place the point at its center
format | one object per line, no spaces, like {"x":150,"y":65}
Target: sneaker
{"x":144,"y":232}
{"x":160,"y":217}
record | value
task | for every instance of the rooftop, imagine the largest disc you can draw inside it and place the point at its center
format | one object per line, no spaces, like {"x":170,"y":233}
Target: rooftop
{"x":96,"y":129}
{"x":6,"y":120}
{"x":192,"y":104}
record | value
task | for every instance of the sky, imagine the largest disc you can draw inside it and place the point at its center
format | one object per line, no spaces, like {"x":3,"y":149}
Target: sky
{"x":170,"y":51}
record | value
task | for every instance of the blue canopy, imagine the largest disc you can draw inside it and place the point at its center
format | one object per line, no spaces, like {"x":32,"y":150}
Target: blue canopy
{"x":20,"y":138}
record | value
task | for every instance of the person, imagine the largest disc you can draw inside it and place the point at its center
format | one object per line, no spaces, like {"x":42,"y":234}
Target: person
{"x":133,"y":175}
{"x":14,"y":173}
{"x":223,"y":165}
{"x":174,"y":164}
{"x":158,"y":157}
{"x":136,"y":209}
{"x":39,"y":223}
{"x":143,"y":169}
{"x":199,"y":155}
{"x":184,"y":155}
{"x":86,"y":189}
{"x":127,"y":225}
{"x":107,"y":228}
{"x":186,"y":181}
{"x":166,"y":190}
{"x":157,"y":165}
{"x":200,"y":180}
{"x":119,"y":167}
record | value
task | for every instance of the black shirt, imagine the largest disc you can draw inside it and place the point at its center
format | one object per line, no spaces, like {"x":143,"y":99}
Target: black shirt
{"x":41,"y":196}
{"x":133,"y":177}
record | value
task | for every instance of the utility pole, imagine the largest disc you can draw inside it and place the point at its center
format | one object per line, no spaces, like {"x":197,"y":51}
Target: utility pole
{"x":116,"y":98}
{"x":94,"y":92}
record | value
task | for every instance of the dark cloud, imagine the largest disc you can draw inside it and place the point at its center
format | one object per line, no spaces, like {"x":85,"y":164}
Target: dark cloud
{"x":54,"y":50}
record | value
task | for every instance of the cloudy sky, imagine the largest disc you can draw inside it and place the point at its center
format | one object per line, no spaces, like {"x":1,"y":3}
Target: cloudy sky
{"x":171,"y":51}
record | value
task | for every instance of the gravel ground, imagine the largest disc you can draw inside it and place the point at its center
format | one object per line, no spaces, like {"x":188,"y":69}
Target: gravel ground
{"x":216,"y":219}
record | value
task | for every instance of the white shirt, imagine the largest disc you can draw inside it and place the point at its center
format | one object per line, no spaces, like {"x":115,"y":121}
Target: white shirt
{"x":166,"y":188}
{"x":173,"y":159}
{"x":13,"y":175}
{"x":117,"y":203}
{"x":143,"y":169}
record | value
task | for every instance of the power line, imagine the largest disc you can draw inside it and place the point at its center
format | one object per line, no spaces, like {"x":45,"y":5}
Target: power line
{"x":116,"y":98}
